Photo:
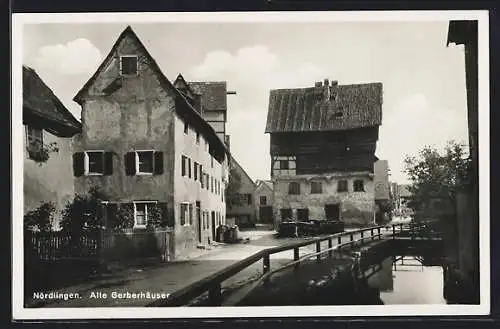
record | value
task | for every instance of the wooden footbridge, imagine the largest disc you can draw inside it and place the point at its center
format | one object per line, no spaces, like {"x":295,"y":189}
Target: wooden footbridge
{"x":400,"y":238}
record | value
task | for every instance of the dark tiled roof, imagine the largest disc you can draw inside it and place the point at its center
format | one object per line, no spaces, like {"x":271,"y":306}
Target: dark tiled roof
{"x":311,"y":109}
{"x":40,"y":101}
{"x":213,"y":94}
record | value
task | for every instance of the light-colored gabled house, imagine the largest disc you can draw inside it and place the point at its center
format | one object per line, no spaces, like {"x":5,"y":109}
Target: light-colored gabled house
{"x":146,"y":146}
{"x":48,"y":129}
{"x":244,"y":213}
{"x":263,"y":197}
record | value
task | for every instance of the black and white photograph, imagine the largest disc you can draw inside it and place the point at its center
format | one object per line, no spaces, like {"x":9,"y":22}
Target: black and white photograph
{"x":266,"y":164}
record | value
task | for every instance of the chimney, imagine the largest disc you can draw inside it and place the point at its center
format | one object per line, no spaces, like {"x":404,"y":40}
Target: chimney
{"x":318,"y":84}
{"x":334,"y":83}
{"x":326,"y":86}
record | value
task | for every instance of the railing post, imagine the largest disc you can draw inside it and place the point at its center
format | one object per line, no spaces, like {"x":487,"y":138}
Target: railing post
{"x":318,"y":249}
{"x":296,"y":257}
{"x":215,"y":295}
{"x":330,"y":246}
{"x":378,"y":232}
{"x":393,"y":231}
{"x":266,"y":263}
{"x":339,"y":240}
{"x":371,"y":234}
{"x":362,"y":236}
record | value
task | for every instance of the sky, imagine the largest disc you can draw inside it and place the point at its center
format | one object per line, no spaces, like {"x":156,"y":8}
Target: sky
{"x":424,"y":99}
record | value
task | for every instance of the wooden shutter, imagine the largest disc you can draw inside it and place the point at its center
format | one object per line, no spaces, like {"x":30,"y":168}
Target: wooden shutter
{"x":158,"y":164}
{"x":164,"y":214}
{"x":108,"y":163}
{"x":78,"y":164}
{"x":130,"y":163}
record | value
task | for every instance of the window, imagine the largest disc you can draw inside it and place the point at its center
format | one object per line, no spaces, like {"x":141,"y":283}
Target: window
{"x":184,"y":213}
{"x":141,"y":211}
{"x":184,"y":160}
{"x":294,"y":188}
{"x":208,"y":182}
{"x":189,"y":167}
{"x":284,"y":165}
{"x":186,"y":127}
{"x":34,"y":138}
{"x":316,"y":188}
{"x":212,"y":184}
{"x":190,"y":214}
{"x":212,"y":161}
{"x":249,"y":199}
{"x":94,"y":162}
{"x":196,"y":171}
{"x":263,"y":200}
{"x":201,"y":175}
{"x":145,"y":162}
{"x":129,"y":65}
{"x":197,"y":138}
{"x":342,"y":186}
{"x":359,"y":185}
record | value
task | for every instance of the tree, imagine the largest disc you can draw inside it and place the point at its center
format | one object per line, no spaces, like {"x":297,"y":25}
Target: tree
{"x":437,"y":176}
{"x":232,"y":190}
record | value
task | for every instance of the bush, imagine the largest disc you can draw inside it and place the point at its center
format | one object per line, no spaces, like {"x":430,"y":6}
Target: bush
{"x":41,"y":218}
{"x":83,"y":212}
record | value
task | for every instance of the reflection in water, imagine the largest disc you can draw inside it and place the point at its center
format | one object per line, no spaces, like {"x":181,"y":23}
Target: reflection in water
{"x":404,"y":280}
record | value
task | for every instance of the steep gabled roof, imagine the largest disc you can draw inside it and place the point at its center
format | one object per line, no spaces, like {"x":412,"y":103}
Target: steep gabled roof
{"x":213,"y":94}
{"x":183,"y":107}
{"x":237,"y":166}
{"x":40,"y":103}
{"x":181,"y":84}
{"x":339,"y":107}
{"x":264,"y":184}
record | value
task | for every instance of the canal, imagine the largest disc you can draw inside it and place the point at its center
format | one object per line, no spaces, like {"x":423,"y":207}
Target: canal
{"x":404,"y":280}
{"x":396,"y":280}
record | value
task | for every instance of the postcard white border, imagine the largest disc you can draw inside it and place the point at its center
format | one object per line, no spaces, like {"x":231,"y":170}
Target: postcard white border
{"x":21,"y":313}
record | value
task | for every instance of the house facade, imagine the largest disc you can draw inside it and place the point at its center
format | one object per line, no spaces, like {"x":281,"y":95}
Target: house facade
{"x":383,"y":198}
{"x":323,"y":142}
{"x":48,"y":129}
{"x":263,"y":197}
{"x":145,"y":145}
{"x":244,"y":213}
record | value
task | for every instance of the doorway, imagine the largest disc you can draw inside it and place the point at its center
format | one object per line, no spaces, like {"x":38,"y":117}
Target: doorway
{"x":198,"y":217}
{"x":332,"y":212}
{"x":303,"y":215}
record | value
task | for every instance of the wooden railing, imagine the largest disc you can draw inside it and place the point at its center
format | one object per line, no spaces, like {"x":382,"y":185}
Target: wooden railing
{"x":213,"y":283}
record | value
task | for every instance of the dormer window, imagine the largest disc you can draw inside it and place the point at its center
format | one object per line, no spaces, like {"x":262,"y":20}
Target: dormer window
{"x":129,"y":65}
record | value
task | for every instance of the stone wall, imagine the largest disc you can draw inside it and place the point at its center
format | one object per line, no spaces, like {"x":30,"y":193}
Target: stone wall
{"x":356,"y":208}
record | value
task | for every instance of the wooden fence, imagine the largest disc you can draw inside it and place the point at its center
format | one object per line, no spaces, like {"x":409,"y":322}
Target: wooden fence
{"x":104,"y":245}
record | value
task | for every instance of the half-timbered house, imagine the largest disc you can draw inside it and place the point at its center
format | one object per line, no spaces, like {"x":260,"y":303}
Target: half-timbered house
{"x":323,"y":140}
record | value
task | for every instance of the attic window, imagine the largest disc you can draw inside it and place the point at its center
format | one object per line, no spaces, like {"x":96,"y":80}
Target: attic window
{"x":128,"y":65}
